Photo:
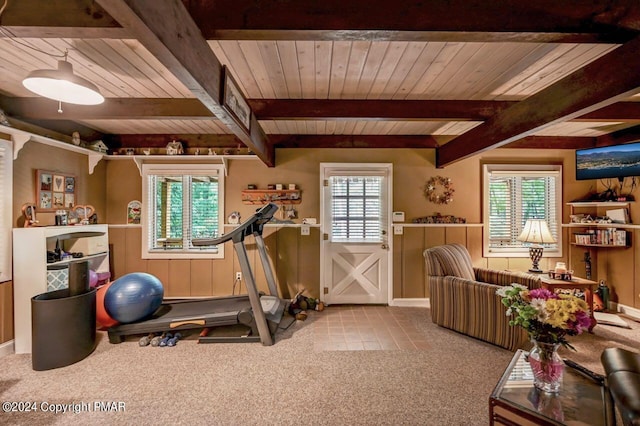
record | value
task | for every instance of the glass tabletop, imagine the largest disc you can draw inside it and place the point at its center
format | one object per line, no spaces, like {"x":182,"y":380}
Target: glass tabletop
{"x":581,"y":400}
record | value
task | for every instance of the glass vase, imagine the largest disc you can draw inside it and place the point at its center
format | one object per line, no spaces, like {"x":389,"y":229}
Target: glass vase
{"x":547,"y":366}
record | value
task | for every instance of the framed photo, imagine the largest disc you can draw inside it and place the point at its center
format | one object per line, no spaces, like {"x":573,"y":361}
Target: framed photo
{"x":234,"y":102}
{"x":55,"y":190}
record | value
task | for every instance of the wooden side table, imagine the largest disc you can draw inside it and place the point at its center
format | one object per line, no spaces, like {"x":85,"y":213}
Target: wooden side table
{"x":587,"y":286}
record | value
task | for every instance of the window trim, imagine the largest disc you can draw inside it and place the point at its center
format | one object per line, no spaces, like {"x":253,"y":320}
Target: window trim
{"x":520,"y":169}
{"x":147,"y":218}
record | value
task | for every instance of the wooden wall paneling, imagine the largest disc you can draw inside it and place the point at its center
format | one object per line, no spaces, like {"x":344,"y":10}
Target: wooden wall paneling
{"x":118,"y":254}
{"x":498,"y":263}
{"x":397,"y":265}
{"x":6,"y":314}
{"x":252,"y":254}
{"x":222,"y":273}
{"x":619,"y":266}
{"x":308,"y":262}
{"x":456,"y":234}
{"x":522,"y":264}
{"x":133,"y":249}
{"x":474,"y":245}
{"x":159,"y":268}
{"x":201,"y":277}
{"x":433,"y":236}
{"x":636,"y":256}
{"x":287,"y":262}
{"x":179,"y":278}
{"x":413,"y":281}
{"x":270,"y":237}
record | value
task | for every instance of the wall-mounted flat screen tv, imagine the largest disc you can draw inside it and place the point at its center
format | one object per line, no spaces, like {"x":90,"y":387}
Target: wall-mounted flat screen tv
{"x":606,"y":162}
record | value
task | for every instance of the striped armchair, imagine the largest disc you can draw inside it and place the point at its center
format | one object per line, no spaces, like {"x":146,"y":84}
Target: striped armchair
{"x":463,"y":298}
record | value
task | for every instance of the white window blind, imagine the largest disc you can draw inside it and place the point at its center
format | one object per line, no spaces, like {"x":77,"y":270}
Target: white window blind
{"x":6,"y":209}
{"x":356,"y":208}
{"x":515,"y":194}
{"x":183,"y":205}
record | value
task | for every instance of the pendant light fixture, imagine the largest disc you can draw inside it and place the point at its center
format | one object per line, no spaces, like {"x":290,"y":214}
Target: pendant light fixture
{"x":63,"y":85}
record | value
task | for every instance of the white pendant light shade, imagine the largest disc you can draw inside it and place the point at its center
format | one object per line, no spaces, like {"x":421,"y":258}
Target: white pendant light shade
{"x":63,"y":85}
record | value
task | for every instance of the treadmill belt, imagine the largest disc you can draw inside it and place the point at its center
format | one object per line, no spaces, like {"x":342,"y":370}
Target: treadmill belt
{"x":186,"y":314}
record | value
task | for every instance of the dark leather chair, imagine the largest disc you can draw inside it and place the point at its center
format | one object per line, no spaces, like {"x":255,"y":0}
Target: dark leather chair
{"x":622,"y":368}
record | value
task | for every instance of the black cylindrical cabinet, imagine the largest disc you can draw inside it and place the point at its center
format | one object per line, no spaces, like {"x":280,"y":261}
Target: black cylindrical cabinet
{"x":63,"y":328}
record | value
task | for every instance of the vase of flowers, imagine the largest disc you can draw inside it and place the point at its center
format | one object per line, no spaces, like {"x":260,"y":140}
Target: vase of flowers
{"x":548,"y":318}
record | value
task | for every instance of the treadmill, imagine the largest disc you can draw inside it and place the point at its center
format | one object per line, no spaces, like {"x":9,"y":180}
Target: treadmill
{"x":259,"y":312}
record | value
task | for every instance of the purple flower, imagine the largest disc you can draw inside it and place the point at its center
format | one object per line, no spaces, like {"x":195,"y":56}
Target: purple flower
{"x":542,"y":293}
{"x":583,"y":321}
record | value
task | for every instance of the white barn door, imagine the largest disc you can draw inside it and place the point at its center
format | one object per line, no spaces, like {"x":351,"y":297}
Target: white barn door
{"x":355,"y":222}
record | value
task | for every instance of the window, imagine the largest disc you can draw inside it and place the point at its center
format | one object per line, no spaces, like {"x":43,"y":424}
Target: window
{"x":6,"y":208}
{"x":513,"y":194}
{"x":356,"y":208}
{"x":181,"y":204}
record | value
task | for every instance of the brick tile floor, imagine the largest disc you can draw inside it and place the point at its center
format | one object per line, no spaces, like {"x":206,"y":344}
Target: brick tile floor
{"x":365,"y":328}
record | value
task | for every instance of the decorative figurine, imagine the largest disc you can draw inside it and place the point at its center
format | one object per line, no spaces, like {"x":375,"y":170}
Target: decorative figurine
{"x":175,"y":148}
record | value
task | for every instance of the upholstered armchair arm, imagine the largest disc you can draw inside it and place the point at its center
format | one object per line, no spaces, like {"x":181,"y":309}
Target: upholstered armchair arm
{"x":472,"y":308}
{"x":503,"y":278}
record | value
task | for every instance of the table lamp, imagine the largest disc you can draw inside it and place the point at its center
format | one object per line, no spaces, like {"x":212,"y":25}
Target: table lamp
{"x":536,"y":231}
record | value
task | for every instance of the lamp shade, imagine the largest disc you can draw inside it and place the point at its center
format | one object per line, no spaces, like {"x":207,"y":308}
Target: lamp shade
{"x":63,"y":85}
{"x":536,"y":231}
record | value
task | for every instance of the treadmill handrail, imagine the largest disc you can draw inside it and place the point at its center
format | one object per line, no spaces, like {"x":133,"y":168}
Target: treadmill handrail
{"x":261,"y":216}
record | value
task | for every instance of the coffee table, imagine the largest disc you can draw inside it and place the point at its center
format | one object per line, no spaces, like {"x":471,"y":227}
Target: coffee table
{"x":587,"y":286}
{"x":581,"y":400}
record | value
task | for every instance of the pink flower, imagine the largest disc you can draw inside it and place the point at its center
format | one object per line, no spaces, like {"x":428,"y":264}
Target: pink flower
{"x":583,"y":321}
{"x":542,"y":293}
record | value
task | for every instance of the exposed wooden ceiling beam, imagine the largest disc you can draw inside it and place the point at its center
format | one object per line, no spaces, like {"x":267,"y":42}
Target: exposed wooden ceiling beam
{"x":573,"y":21}
{"x":59,"y":19}
{"x":112,"y":108}
{"x":288,"y":109}
{"x":554,"y":142}
{"x":630,"y":134}
{"x":515,"y":20}
{"x":167,"y":30}
{"x":342,"y":109}
{"x":620,"y":111}
{"x":603,"y":82}
{"x":353,"y":141}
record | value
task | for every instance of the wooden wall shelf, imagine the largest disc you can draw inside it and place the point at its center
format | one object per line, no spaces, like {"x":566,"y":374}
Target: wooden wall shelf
{"x":277,"y":196}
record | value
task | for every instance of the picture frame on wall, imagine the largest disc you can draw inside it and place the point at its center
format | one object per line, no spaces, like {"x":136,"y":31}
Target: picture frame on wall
{"x":233,"y":101}
{"x":55,"y":190}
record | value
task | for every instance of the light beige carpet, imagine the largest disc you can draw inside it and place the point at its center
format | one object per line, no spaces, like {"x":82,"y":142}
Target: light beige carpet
{"x":289,"y":383}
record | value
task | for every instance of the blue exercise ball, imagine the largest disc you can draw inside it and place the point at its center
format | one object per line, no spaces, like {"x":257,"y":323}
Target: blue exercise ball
{"x":133,"y":297}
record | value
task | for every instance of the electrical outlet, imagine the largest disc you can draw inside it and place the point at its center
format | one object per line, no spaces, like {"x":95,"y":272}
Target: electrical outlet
{"x":238,"y":276}
{"x":305,"y":230}
{"x":397,"y":230}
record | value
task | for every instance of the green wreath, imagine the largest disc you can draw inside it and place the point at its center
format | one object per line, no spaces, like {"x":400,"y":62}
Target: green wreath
{"x":439,"y":190}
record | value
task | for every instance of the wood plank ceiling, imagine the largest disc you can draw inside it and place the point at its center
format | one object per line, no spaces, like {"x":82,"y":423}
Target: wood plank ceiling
{"x":460,"y":76}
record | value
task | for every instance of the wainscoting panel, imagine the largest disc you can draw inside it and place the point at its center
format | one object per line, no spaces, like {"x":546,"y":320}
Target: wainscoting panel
{"x":6,"y":311}
{"x":202,"y":282}
{"x":412,"y":263}
{"x":179,"y":284}
{"x":294,"y":261}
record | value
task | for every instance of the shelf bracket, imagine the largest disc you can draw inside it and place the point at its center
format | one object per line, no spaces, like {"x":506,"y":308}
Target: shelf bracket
{"x":225,"y":165}
{"x":93,"y":160}
{"x":138,"y":162}
{"x":19,"y":140}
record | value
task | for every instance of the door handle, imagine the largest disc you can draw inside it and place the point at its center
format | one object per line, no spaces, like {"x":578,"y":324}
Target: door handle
{"x":384,"y":247}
